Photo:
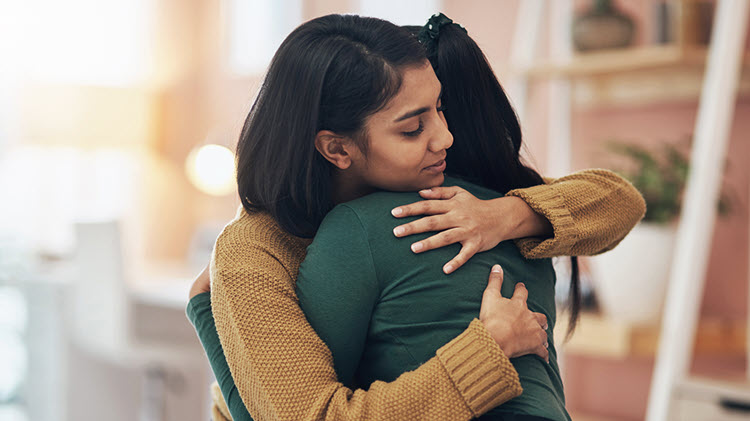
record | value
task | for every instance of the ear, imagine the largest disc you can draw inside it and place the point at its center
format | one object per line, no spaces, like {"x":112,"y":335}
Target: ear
{"x":335,"y":148}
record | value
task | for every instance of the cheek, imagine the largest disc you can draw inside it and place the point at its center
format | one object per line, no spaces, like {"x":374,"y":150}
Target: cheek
{"x":403,"y":157}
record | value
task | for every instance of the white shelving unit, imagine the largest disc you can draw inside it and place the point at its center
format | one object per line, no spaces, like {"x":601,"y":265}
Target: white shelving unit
{"x":687,"y":277}
{"x":672,"y":393}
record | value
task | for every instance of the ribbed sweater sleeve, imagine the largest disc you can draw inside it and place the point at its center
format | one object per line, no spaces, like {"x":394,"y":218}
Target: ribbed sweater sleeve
{"x":283,"y":371}
{"x":591,"y":211}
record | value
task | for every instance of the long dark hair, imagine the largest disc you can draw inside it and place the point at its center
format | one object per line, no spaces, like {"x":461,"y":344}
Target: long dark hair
{"x":330,"y":73}
{"x":487,"y":137}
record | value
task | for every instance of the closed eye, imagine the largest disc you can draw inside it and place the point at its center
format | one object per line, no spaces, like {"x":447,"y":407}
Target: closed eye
{"x":417,"y":132}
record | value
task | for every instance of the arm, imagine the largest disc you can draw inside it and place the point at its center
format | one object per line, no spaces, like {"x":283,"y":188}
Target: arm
{"x":585,"y":213}
{"x":199,"y":313}
{"x":591,"y":211}
{"x":283,"y":371}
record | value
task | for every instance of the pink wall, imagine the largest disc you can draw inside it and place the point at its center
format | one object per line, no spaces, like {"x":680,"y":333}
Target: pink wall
{"x":726,"y":287}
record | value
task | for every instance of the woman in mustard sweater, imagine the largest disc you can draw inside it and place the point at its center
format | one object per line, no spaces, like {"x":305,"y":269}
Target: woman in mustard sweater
{"x":282,"y":369}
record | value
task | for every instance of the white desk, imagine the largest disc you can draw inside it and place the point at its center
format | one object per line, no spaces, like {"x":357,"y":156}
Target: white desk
{"x":157,"y":302}
{"x":161,"y":369}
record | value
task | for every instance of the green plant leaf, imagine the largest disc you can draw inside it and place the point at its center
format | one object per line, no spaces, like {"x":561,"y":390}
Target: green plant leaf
{"x":660,"y":176}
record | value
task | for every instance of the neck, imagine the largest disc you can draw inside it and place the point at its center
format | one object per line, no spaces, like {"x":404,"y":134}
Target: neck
{"x":346,"y":188}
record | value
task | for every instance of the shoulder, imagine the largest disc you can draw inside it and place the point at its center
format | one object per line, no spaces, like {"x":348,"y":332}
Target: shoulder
{"x":254,"y":238}
{"x":381,"y":201}
{"x":475,"y":189}
{"x":365,"y":213}
{"x":344,"y":223}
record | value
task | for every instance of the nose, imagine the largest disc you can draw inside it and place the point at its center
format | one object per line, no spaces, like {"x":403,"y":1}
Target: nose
{"x":443,"y":139}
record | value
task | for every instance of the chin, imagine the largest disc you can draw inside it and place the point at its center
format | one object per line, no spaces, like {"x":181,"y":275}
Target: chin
{"x":435,"y":181}
{"x":413,"y":185}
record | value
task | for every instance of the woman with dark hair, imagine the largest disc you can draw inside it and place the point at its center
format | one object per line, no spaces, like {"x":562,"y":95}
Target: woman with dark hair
{"x":325,"y":91}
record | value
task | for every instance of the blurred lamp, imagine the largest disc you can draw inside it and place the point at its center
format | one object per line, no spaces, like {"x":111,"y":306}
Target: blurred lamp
{"x":211,"y":169}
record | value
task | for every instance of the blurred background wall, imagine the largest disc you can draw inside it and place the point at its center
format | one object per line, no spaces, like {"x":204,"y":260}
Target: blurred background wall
{"x":104,"y":109}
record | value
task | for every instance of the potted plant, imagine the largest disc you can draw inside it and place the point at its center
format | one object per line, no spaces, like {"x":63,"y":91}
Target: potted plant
{"x":631,"y":279}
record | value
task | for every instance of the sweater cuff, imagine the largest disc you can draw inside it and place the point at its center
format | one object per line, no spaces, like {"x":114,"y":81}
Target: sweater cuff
{"x":545,"y":200}
{"x":480,"y":370}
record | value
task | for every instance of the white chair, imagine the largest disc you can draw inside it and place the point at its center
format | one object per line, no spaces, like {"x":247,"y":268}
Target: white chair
{"x":112,"y":374}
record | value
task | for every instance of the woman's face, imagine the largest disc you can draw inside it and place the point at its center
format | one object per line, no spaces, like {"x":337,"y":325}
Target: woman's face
{"x":407,"y":139}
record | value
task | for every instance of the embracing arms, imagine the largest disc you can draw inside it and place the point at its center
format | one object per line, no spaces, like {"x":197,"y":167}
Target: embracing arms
{"x":603,"y":208}
{"x":284,"y":371}
{"x":587,"y":212}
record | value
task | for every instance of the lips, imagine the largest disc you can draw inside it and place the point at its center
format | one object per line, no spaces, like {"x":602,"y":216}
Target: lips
{"x":435,"y":165}
{"x":436,"y":168}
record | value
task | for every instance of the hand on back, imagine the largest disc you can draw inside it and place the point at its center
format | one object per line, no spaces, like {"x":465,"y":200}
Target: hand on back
{"x":516,"y":329}
{"x":478,"y":225}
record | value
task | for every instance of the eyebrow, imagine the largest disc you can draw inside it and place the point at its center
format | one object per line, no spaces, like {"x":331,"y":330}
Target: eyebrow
{"x":411,"y":114}
{"x":418,"y":111}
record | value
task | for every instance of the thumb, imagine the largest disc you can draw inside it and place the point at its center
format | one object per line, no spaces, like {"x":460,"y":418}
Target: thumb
{"x":495,"y":283}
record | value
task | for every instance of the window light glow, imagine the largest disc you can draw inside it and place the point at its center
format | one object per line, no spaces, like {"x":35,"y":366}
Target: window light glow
{"x":211,"y":169}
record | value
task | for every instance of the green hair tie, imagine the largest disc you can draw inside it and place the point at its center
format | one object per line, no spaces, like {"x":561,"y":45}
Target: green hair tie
{"x":430,"y":32}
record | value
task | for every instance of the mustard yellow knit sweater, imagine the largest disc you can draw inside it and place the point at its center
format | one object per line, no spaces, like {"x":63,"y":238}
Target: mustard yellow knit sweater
{"x":283,"y":371}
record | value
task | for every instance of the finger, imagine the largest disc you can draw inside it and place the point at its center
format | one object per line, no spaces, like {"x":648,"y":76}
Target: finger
{"x":543,"y":352}
{"x":542,"y":319}
{"x":521,"y":293}
{"x":543,"y":338}
{"x":442,"y":193}
{"x":495,"y":283}
{"x":426,"y":224}
{"x":441,"y":239}
{"x":424,"y":207}
{"x":462,"y":257}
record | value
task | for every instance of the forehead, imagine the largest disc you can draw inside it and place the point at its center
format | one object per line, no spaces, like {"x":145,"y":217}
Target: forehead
{"x":419,"y":88}
{"x":418,"y":78}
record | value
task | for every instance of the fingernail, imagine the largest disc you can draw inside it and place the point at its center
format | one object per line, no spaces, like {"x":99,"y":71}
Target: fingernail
{"x":397,"y":212}
{"x":398,"y":231}
{"x":497,"y":269}
{"x":545,"y":327}
{"x":425,"y":191}
{"x":448,"y":268}
{"x":416,"y":247}
{"x":546,"y":344}
{"x":522,"y":284}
